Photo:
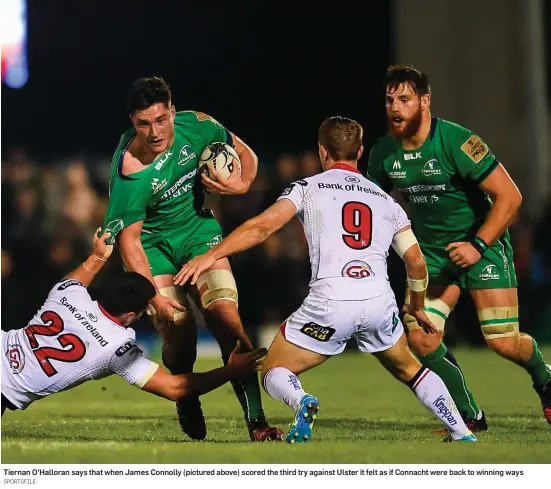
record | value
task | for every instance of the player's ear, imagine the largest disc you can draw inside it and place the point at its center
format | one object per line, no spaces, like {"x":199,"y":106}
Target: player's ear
{"x":425,"y":102}
{"x":360,"y":151}
{"x":322,"y":152}
{"x":128,"y":318}
{"x":172,"y":110}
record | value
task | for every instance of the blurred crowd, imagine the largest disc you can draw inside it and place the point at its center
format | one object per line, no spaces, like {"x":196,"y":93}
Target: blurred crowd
{"x":50,"y":212}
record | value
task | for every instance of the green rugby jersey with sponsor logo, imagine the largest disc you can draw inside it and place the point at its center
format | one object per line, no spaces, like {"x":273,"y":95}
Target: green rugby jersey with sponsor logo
{"x":166,"y":195}
{"x":440,"y":181}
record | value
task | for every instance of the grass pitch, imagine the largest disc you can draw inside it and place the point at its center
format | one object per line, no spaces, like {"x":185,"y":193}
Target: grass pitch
{"x":366,"y":417}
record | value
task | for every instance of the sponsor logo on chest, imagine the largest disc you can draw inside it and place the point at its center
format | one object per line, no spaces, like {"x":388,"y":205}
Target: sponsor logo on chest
{"x":397,"y":172}
{"x":157,"y":184}
{"x":412,"y":156}
{"x":186,"y":155}
{"x":163,"y":160}
{"x":181,"y":186}
{"x":431,"y":168}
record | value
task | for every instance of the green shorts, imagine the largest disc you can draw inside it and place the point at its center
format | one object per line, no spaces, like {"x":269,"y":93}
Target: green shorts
{"x":495,"y":270}
{"x":168,"y":250}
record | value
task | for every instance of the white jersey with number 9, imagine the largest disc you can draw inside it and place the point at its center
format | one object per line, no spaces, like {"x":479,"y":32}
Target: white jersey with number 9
{"x":349,"y":224}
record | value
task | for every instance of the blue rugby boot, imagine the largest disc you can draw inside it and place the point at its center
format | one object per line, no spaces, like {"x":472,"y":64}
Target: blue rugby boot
{"x":301,"y":428}
{"x":469,"y":438}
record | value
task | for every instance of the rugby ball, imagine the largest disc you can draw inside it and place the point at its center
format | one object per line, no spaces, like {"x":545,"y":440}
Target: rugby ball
{"x":221,"y":157}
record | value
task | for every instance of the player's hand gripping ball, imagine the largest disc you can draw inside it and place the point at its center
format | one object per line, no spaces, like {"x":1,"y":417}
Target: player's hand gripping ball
{"x":220,"y":157}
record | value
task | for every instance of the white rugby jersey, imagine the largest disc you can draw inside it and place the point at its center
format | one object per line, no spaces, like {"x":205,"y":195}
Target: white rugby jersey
{"x":349,"y":223}
{"x":70,"y":340}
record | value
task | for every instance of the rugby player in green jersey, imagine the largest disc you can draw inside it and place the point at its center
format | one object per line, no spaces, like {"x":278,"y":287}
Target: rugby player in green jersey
{"x":461,"y":202}
{"x":156,"y":212}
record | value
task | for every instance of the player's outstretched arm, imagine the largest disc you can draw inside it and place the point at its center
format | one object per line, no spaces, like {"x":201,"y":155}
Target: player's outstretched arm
{"x":175,"y":387}
{"x":135,"y":260}
{"x":86,"y":272}
{"x":249,"y":234}
{"x":406,"y":245}
{"x":507,"y":201}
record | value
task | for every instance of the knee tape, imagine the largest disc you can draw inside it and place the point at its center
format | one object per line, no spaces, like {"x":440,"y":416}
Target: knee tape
{"x":436,"y":310}
{"x":216,"y":285}
{"x":175,"y":293}
{"x":499,"y":322}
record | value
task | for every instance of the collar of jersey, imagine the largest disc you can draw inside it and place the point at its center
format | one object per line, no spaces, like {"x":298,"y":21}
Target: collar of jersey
{"x":344,"y":166}
{"x":138,"y":174}
{"x":433,"y":124}
{"x":108,"y":316}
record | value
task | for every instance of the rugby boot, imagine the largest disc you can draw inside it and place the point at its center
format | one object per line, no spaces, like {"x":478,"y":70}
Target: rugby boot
{"x":190,"y":417}
{"x":301,"y":427}
{"x":544,"y":391}
{"x":260,"y":430}
{"x":469,"y":438}
{"x":474,"y":425}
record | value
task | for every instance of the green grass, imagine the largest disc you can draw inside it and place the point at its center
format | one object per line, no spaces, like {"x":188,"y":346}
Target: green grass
{"x":365,"y":417}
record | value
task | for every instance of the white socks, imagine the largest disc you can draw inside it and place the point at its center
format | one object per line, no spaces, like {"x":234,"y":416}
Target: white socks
{"x":432,"y":392}
{"x":282,"y":384}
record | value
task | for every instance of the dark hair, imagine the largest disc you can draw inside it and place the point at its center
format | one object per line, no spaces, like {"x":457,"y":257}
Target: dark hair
{"x":398,"y":74}
{"x":126,"y":292}
{"x":145,"y":92}
{"x":342,"y":137}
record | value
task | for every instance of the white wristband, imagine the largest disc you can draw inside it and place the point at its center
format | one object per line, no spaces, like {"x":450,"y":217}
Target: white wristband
{"x":418,"y":285}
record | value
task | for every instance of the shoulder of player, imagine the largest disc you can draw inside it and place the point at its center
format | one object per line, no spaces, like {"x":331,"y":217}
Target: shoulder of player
{"x":192,"y":117}
{"x":123,"y":344}
{"x":384,"y":146}
{"x":67,"y":289}
{"x":452,"y":132}
{"x":125,"y":140}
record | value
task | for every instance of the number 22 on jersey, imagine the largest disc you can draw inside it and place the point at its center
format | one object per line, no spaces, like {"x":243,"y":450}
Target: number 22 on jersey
{"x":53,"y":325}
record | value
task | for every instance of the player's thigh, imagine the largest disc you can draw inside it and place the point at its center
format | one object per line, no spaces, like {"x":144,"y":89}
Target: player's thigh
{"x":441,"y":299}
{"x":159,"y":255}
{"x":183,"y":319}
{"x":497,"y":311}
{"x":379,"y":326}
{"x":399,"y":360}
{"x":199,"y":236}
{"x":216,"y":296}
{"x":217,"y":289}
{"x":283,"y":353}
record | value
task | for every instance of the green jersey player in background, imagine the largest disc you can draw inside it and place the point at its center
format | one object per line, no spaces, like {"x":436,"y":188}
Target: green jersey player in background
{"x":461,"y":202}
{"x":156,"y":211}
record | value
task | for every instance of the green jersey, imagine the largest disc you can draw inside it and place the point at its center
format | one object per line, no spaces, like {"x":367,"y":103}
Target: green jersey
{"x":440,"y":181}
{"x":166,"y":195}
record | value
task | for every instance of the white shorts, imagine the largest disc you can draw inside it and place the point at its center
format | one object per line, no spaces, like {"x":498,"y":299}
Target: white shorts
{"x":324,"y":326}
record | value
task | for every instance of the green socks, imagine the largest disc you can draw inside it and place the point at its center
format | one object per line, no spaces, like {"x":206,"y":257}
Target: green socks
{"x":247,"y":390}
{"x":444,"y":364}
{"x":537,"y":368}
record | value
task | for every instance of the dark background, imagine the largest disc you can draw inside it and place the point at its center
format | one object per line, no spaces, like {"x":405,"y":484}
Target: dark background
{"x":269,"y":71}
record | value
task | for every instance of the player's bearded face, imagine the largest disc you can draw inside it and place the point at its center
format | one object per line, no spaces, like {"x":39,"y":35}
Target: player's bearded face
{"x":155,"y":127}
{"x":403,"y":110}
